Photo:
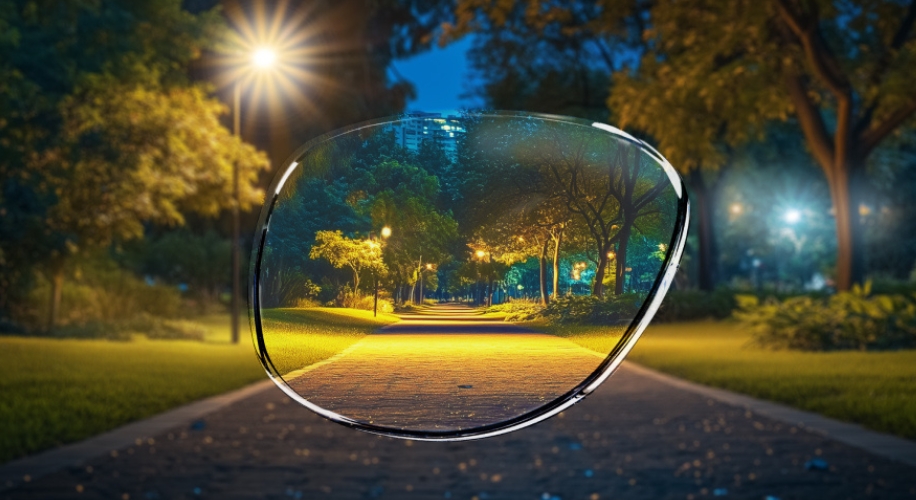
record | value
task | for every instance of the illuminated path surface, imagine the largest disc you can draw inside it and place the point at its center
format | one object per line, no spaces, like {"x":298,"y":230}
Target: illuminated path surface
{"x":446,"y":368}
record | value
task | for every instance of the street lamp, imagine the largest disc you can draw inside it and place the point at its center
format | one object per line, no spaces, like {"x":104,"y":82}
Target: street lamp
{"x":262,"y":59}
{"x":429,"y":267}
{"x":385,"y":232}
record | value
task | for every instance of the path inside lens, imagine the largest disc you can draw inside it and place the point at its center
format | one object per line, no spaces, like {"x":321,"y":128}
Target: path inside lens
{"x":446,"y":368}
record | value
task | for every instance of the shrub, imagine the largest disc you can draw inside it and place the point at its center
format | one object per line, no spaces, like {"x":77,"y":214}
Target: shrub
{"x":689,"y":305}
{"x":518,"y":310}
{"x":849,"y":320}
{"x":587,"y":309}
{"x":366,"y":303}
{"x":156,"y":328}
{"x":101,"y":293}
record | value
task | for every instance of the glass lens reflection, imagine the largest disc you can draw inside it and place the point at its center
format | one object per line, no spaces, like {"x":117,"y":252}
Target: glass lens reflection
{"x":430,"y":275}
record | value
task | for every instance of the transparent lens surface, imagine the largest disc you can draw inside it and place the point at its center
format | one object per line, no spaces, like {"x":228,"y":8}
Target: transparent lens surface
{"x":452,"y":276}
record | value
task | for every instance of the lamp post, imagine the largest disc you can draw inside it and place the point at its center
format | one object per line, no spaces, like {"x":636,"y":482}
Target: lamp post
{"x":385,"y":232}
{"x":262,"y":58}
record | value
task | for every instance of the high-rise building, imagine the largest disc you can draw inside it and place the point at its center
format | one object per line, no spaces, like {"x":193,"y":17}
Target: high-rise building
{"x":414,"y":128}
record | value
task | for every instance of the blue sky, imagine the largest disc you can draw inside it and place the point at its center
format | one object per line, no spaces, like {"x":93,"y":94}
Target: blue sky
{"x":439,"y":76}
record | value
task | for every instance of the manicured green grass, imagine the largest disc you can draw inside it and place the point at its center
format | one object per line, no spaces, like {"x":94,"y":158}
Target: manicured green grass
{"x":597,"y":338}
{"x":297,"y":338}
{"x":875,"y":389}
{"x":57,"y":391}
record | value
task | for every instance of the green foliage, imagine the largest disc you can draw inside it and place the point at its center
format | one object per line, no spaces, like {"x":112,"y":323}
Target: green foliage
{"x":103,"y":133}
{"x":690,"y":305}
{"x":589,"y":309}
{"x":518,"y":310}
{"x":342,"y":251}
{"x":157,"y":328}
{"x":847,"y":320}
{"x":366,"y":303}
{"x":100,"y":293}
{"x":181,"y":257}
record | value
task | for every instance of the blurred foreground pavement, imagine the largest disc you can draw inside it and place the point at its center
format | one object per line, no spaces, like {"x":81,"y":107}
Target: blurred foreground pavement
{"x":634,"y":437}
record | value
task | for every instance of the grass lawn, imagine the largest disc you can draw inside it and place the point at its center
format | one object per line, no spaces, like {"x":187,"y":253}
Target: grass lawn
{"x":599,"y":339}
{"x":296,"y":338}
{"x":57,"y":391}
{"x":875,"y":389}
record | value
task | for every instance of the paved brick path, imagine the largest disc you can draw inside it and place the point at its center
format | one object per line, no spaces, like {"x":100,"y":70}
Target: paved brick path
{"x":447,"y":369}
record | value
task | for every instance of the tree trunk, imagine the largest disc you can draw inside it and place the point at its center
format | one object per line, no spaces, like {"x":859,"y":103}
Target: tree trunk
{"x":845,"y":191}
{"x":705,"y":195}
{"x":57,"y":285}
{"x":556,"y":265}
{"x":622,"y":256}
{"x":542,"y":267}
{"x":598,"y":286}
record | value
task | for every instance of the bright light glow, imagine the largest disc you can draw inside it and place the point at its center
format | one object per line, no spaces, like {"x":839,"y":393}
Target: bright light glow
{"x":480,"y":254}
{"x":274,"y":54}
{"x":792,"y":216}
{"x":429,"y":267}
{"x":386,"y":232}
{"x":611,"y":255}
{"x":736,"y":208}
{"x":264,"y":58}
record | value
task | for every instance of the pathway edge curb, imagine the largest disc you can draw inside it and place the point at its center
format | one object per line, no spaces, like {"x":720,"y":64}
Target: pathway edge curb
{"x":874,"y":442}
{"x":35,"y":466}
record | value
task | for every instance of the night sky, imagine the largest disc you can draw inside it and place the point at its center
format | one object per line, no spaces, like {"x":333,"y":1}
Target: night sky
{"x":439,"y":77}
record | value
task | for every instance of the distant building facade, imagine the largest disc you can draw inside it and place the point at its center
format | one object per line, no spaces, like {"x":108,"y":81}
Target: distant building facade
{"x":414,"y":128}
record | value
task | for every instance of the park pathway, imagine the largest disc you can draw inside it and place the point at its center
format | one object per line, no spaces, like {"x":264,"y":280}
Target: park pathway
{"x":446,"y":367}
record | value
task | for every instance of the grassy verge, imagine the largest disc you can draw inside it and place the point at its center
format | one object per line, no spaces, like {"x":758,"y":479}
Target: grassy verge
{"x":57,"y":391}
{"x":874,"y":389}
{"x":297,"y":338}
{"x":597,"y":338}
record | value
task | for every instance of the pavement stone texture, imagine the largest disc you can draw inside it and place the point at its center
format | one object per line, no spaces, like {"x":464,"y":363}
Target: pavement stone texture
{"x":447,"y":382}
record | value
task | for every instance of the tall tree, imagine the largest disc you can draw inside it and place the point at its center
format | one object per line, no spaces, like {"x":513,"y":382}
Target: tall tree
{"x":106,"y":129}
{"x":841,"y":68}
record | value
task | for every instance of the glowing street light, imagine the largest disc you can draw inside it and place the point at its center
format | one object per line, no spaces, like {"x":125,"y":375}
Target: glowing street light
{"x":792,"y":216}
{"x":373,"y":244}
{"x":264,"y":58}
{"x":480,"y":254}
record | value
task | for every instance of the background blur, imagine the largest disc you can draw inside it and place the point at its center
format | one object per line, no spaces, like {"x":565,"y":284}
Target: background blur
{"x":121,"y":165}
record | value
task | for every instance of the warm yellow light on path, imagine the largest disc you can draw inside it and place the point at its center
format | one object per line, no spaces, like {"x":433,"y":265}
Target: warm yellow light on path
{"x":264,"y":58}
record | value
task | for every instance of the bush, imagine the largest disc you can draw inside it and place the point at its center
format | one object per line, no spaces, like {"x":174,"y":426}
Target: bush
{"x":849,"y":320}
{"x":691,"y":305}
{"x":366,"y":303}
{"x":587,"y":309}
{"x":518,"y":310}
{"x":100,"y":293}
{"x":163,"y":329}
